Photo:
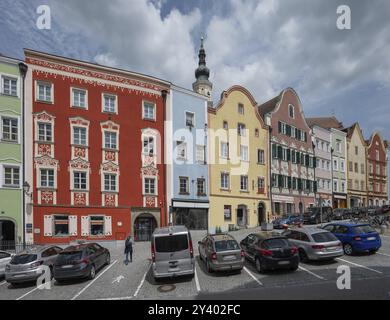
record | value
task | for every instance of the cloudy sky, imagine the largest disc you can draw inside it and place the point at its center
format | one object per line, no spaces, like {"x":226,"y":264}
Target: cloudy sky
{"x":264,"y":45}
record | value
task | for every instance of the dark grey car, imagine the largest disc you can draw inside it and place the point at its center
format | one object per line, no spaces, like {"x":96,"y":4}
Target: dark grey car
{"x":221,"y":252}
{"x":80,"y":261}
{"x":27,"y":265}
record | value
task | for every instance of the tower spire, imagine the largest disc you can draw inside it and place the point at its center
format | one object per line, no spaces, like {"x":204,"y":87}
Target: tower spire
{"x":202,"y":84}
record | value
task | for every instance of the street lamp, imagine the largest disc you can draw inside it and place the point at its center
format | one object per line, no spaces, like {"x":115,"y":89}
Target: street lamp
{"x":26,"y":189}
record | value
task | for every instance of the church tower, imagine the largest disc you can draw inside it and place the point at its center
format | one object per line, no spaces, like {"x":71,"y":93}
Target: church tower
{"x":202,"y":84}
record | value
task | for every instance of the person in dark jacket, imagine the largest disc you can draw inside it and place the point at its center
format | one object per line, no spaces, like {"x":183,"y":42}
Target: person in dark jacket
{"x":128,"y":250}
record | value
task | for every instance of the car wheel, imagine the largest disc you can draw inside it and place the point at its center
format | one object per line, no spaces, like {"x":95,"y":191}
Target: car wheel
{"x":259,"y":266}
{"x":294,"y":268}
{"x":51,"y":272}
{"x":108,"y":260}
{"x":208,"y":267}
{"x":348,"y":250}
{"x":373,"y":251}
{"x":92,"y":272}
{"x":303,"y":256}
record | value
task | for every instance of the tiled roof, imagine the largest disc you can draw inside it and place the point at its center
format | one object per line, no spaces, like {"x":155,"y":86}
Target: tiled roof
{"x":325,"y":122}
{"x":269,"y":106}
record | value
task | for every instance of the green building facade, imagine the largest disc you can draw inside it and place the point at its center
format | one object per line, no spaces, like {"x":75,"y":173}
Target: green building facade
{"x":11,"y":221}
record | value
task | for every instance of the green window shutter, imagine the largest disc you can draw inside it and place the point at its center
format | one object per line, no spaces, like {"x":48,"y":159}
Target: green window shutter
{"x":288,"y":154}
{"x":289,"y":182}
{"x":280,"y":152}
{"x":307,"y":160}
{"x":299,"y":184}
{"x":315,"y":186}
{"x":288,"y":130}
{"x":274,"y":152}
{"x":305,"y":133}
{"x":298,"y":155}
{"x":280,"y":180}
{"x":280,"y":127}
{"x":296,"y":133}
{"x":314,"y":162}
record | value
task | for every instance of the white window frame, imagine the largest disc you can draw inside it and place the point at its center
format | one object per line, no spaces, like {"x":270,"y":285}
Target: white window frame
{"x":240,"y":107}
{"x":110,"y":174}
{"x":146,"y":149}
{"x":187,"y":191}
{"x":40,"y":178}
{"x":2,"y":131}
{"x":46,"y":84}
{"x":193,"y":119}
{"x":200,"y":154}
{"x":90,"y":225}
{"x":181,"y":146}
{"x":244,"y":153}
{"x":110,"y":95}
{"x":293,"y":111}
{"x":144,"y":185}
{"x":335,"y":164}
{"x":45,"y":132}
{"x":72,"y":98}
{"x":227,"y":175}
{"x":110,"y":142}
{"x":10,"y":166}
{"x":144,"y":115}
{"x":79,"y":143}
{"x":74,"y":172}
{"x":241,"y":183}
{"x":224,"y":146}
{"x":10,"y":77}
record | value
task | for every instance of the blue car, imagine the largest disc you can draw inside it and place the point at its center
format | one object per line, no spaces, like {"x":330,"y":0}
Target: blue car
{"x":356,"y":237}
{"x":292,"y":219}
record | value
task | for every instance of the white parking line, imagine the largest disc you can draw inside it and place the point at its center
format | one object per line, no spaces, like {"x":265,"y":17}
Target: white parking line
{"x":312,"y":273}
{"x":253,"y":276}
{"x":142,"y":281}
{"x":383,"y":254}
{"x":31,"y":291}
{"x":359,"y":265}
{"x":4,"y":282}
{"x":89,"y":284}
{"x":197,"y":281}
{"x":120,"y":298}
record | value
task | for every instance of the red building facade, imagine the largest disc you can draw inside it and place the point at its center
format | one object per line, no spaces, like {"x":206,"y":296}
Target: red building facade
{"x":377,"y":171}
{"x":292,"y":154}
{"x":95,"y":144}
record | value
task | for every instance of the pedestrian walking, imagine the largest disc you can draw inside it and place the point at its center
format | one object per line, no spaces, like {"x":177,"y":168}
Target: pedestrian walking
{"x":128,"y":250}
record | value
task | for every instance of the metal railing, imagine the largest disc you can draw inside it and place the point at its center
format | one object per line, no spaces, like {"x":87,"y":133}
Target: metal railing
{"x":14,"y":246}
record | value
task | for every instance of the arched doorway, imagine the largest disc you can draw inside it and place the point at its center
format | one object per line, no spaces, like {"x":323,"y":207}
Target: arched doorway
{"x":242,"y":216}
{"x":7,"y":235}
{"x":144,"y":226}
{"x":261,"y":213}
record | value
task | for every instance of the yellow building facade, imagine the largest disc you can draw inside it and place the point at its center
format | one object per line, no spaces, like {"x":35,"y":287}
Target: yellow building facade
{"x":357,"y":167}
{"x":238,"y":163}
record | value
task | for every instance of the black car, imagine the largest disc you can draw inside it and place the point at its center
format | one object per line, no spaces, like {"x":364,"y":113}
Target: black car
{"x":269,"y":252}
{"x":313,"y":215}
{"x":80,"y":261}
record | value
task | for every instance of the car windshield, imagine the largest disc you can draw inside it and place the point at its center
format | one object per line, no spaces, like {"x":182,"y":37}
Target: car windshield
{"x":226,"y":245}
{"x":276,"y":243}
{"x":24,"y":258}
{"x":363,"y":229}
{"x":69,"y":256}
{"x":172,"y":243}
{"x":324,"y":237}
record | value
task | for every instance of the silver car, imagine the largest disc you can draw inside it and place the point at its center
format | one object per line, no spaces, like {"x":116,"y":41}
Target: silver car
{"x":314,"y":243}
{"x":5,"y":258}
{"x":221,"y":252}
{"x":26,"y":266}
{"x":172,"y":252}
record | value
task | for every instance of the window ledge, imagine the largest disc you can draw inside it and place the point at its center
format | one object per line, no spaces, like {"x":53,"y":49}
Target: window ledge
{"x":150,"y":120}
{"x":9,"y":141}
{"x":44,"y":101}
{"x":44,"y":142}
{"x":184,"y":193}
{"x":109,"y":149}
{"x":109,"y":192}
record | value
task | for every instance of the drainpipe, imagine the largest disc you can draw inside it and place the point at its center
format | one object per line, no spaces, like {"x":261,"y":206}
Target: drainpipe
{"x":23,"y":70}
{"x":331,"y":171}
{"x":270,"y":169}
{"x":164,"y":94}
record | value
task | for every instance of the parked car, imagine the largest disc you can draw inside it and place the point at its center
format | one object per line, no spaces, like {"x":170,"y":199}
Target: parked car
{"x":356,"y":237}
{"x":269,"y":251}
{"x":314,"y":243}
{"x":221,"y":252}
{"x":80,"y":261}
{"x":313,"y":215}
{"x":5,"y":258}
{"x":172,"y":252}
{"x":26,"y":266}
{"x":385,"y":208}
{"x":288,"y":220}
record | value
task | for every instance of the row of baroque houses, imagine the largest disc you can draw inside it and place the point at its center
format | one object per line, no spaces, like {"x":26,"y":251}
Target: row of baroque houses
{"x":89,"y":152}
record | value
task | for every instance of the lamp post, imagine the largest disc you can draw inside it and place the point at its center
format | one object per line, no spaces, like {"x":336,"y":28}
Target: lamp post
{"x":26,"y":192}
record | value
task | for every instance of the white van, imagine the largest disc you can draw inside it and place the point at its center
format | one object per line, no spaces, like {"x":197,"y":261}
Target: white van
{"x":172,"y":252}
